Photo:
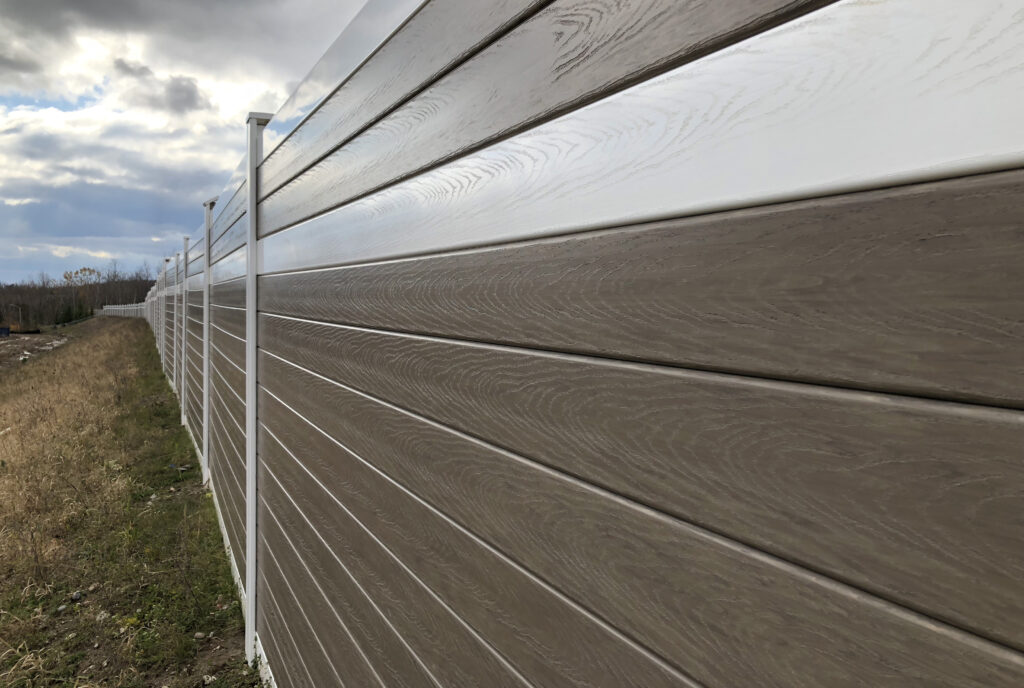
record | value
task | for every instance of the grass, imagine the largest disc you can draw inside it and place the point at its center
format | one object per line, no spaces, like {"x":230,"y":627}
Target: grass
{"x":91,"y":503}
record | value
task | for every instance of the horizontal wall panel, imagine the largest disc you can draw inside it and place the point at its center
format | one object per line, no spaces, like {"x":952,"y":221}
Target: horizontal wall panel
{"x":281,"y":649}
{"x":231,"y":320}
{"x":230,"y":293}
{"x":288,"y":533}
{"x":230,"y":346}
{"x":228,"y":372}
{"x":499,"y":602}
{"x":230,"y":267}
{"x":195,"y":300}
{"x":233,"y":238}
{"x":453,"y":653}
{"x":915,"y":490}
{"x":322,"y":649}
{"x":194,"y":328}
{"x":894,"y":289}
{"x":309,"y":607}
{"x":569,"y":52}
{"x":227,"y":211}
{"x":708,"y":136}
{"x":231,"y":504}
{"x":440,"y":34}
{"x":229,"y":401}
{"x":660,"y":581}
{"x":231,"y":435}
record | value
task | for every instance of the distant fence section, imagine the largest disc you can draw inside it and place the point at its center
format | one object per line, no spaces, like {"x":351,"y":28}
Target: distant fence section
{"x":605,"y":343}
{"x":129,"y":310}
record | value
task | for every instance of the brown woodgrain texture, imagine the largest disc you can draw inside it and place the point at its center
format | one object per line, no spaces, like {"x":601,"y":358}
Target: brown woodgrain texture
{"x":231,"y":239}
{"x":912,"y":289}
{"x":718,"y":610}
{"x":230,"y":347}
{"x":229,"y":399}
{"x":228,"y":211}
{"x":522,"y":620}
{"x":570,"y":52}
{"x":228,"y":497}
{"x":878,"y":490}
{"x":231,"y":436}
{"x":454,"y":654}
{"x":326,"y":652}
{"x":339,"y":607}
{"x":230,"y":293}
{"x":231,"y":320}
{"x":283,"y":653}
{"x":439,"y":35}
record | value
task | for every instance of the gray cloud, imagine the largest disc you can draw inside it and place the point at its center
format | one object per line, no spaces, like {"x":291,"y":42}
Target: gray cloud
{"x":134,"y":70}
{"x":21,"y":65}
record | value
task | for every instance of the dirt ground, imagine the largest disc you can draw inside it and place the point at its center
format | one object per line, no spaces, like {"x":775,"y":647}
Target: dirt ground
{"x":19,"y":348}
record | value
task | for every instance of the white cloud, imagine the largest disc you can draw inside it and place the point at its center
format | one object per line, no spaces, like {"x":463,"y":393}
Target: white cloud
{"x":117,"y":120}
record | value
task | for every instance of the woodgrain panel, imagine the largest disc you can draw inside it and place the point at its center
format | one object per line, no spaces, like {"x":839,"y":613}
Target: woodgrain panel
{"x":231,"y":320}
{"x":230,"y":293}
{"x":230,"y":267}
{"x":282,"y":652}
{"x":326,"y":652}
{"x":229,"y":346}
{"x":439,"y":35}
{"x":229,"y":398}
{"x":569,"y":52}
{"x":227,"y":370}
{"x":455,"y":655}
{"x":339,"y":608}
{"x":906,"y":289}
{"x":234,"y":237}
{"x":480,"y":588}
{"x":661,"y":581}
{"x":229,"y":209}
{"x":853,"y":96}
{"x":231,"y":436}
{"x":231,"y":506}
{"x":878,"y":490}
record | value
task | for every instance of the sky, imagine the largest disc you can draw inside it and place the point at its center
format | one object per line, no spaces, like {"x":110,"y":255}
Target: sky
{"x":118,"y":118}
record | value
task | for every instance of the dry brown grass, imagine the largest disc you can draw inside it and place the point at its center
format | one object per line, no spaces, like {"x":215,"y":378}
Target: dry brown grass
{"x":55,"y":461}
{"x":91,"y":500}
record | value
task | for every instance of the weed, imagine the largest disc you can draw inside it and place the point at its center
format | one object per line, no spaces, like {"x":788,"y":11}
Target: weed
{"x":106,"y":574}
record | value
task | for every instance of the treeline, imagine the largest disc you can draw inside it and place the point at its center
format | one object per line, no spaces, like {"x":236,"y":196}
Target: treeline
{"x":76,"y":294}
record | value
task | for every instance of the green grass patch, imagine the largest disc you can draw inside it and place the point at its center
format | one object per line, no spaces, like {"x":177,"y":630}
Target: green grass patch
{"x":123,"y":564}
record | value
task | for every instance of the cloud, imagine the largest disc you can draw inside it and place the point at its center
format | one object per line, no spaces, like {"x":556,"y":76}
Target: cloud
{"x":125,"y":68}
{"x":118,"y":118}
{"x":19,"y":64}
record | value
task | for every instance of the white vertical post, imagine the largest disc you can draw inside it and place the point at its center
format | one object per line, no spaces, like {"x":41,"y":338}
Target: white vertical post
{"x":174,"y":327}
{"x":255,"y":123}
{"x":208,"y":225}
{"x":184,"y":333}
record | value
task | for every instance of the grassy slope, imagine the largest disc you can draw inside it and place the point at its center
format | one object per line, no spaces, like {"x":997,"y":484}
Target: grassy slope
{"x":89,"y":501}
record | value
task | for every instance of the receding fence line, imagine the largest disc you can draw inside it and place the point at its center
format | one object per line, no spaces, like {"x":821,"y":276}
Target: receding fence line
{"x":670,"y":350}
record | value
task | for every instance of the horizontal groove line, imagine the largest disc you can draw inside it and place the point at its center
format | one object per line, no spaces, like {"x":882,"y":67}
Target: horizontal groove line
{"x":220,"y":329}
{"x":412,"y":574}
{"x":351,"y":576}
{"x":540,"y":581}
{"x":495,"y":37}
{"x":226,"y":385}
{"x":753,"y":204}
{"x":283,"y":622}
{"x":298,"y":605}
{"x":222,"y":523}
{"x":564,"y":109}
{"x":216,"y":348}
{"x":780,"y":561}
{"x":792,"y":385}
